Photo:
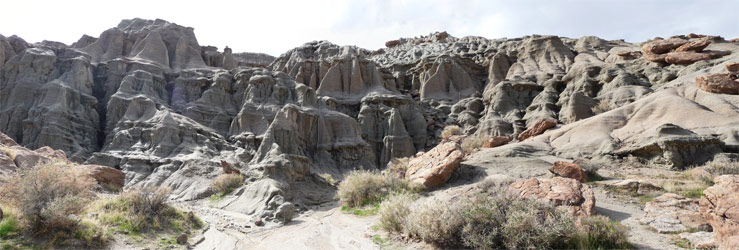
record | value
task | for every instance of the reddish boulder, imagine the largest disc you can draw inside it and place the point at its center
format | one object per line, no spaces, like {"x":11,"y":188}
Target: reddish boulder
{"x":107,"y":176}
{"x":718,"y":83}
{"x":735,"y":40}
{"x":570,"y":194}
{"x":693,"y":35}
{"x":433,"y":168}
{"x":228,"y":169}
{"x":663,"y":46}
{"x":716,"y":53}
{"x":732,"y":67}
{"x":720,"y":207}
{"x":392,"y":43}
{"x":660,"y":58}
{"x":496,"y":141}
{"x":537,"y":129}
{"x":696,"y":46}
{"x":569,"y":170}
{"x":686,"y":57}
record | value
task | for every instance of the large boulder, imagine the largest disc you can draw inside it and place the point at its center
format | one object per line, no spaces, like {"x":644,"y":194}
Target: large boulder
{"x":570,"y":194}
{"x":696,"y":46}
{"x":569,"y":170}
{"x":718,"y":83}
{"x":433,"y":168}
{"x":107,"y":177}
{"x":537,"y":129}
{"x":720,"y":207}
{"x":687,"y":57}
{"x":663,"y":46}
{"x":672,"y":213}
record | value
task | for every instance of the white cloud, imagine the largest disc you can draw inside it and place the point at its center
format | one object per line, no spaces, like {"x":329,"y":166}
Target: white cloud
{"x":277,"y":25}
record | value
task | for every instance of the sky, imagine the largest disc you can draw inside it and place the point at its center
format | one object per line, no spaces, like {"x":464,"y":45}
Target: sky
{"x":275,"y":26}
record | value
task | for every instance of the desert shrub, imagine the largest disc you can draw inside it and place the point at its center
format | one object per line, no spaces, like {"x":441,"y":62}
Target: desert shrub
{"x":394,"y":210}
{"x":398,"y":166}
{"x":718,"y":168}
{"x":50,"y":197}
{"x":599,"y":232}
{"x":9,"y":223}
{"x":328,"y":178}
{"x":495,"y":220}
{"x":360,"y":188}
{"x":143,"y":209}
{"x":472,"y":143}
{"x":225,"y":183}
{"x":450,"y":131}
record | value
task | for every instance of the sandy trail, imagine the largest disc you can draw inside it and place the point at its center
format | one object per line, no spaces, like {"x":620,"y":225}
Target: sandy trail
{"x":629,"y":214}
{"x":324,"y":227}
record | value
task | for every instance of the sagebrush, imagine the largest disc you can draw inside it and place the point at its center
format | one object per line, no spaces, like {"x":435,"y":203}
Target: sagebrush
{"x":360,"y":188}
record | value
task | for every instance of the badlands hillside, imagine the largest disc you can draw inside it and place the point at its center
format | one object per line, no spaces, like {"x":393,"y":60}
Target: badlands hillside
{"x":640,"y":139}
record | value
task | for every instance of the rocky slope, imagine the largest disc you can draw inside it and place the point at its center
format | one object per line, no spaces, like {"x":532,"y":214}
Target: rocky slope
{"x":146,"y":98}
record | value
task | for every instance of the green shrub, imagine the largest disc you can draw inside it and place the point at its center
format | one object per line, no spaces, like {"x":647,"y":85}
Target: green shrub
{"x":8,"y":225}
{"x":394,"y":210}
{"x":225,"y":183}
{"x":360,"y":188}
{"x":599,"y":232}
{"x":450,"y":131}
{"x":144,"y":209}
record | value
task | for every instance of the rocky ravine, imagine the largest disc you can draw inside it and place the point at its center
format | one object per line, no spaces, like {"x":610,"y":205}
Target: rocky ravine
{"x":146,"y":98}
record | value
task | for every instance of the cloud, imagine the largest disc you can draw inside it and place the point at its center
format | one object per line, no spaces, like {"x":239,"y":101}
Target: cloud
{"x":278,"y":25}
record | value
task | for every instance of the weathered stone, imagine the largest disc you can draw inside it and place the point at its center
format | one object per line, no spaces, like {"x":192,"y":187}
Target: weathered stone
{"x":662,"y":46}
{"x":285,"y":212}
{"x":574,"y":196}
{"x":569,"y":170}
{"x":6,"y":141}
{"x":496,"y":141}
{"x":720,"y":207}
{"x":672,"y":213}
{"x":228,"y":169}
{"x":433,"y":168}
{"x":718,"y":83}
{"x":660,"y":58}
{"x":696,"y":46}
{"x":686,"y":57}
{"x":699,"y":240}
{"x":537,"y":129}
{"x":107,"y":176}
{"x":632,"y":186}
{"x":182,"y":239}
{"x":392,"y":43}
{"x":258,"y":222}
{"x":732,"y":67}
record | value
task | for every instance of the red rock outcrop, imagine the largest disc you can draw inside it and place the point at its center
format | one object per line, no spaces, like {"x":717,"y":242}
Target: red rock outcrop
{"x":688,"y":57}
{"x":569,"y":170}
{"x":720,"y":207}
{"x":696,"y":46}
{"x":496,"y":141}
{"x":576,"y":197}
{"x":434,"y":167}
{"x":228,"y":169}
{"x":718,"y":83}
{"x":537,"y":129}
{"x":663,"y":46}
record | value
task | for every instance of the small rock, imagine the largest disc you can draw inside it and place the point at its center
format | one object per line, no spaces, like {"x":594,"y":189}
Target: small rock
{"x":569,"y":170}
{"x":259,"y":222}
{"x":496,"y":141}
{"x":732,"y":67}
{"x":537,"y":129}
{"x":718,"y":83}
{"x":285,"y":212}
{"x":182,"y":240}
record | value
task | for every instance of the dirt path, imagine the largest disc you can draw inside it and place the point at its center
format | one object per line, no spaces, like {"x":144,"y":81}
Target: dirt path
{"x":324,"y":227}
{"x":629,"y":214}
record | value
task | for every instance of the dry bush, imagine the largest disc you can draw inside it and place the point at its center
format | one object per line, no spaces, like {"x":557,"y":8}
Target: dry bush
{"x":142,"y":209}
{"x":718,"y":168}
{"x":472,"y":143}
{"x":450,"y":131}
{"x":602,"y":107}
{"x":360,"y":188}
{"x":225,"y":183}
{"x":398,"y":166}
{"x":50,"y":197}
{"x":496,"y":220}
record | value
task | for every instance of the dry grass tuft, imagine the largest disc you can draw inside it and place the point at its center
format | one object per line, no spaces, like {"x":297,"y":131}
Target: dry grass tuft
{"x":225,"y":183}
{"x":450,"y":130}
{"x":361,"y":188}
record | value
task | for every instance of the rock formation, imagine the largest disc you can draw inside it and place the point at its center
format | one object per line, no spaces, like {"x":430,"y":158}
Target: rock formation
{"x":720,"y":209}
{"x":575,"y":197}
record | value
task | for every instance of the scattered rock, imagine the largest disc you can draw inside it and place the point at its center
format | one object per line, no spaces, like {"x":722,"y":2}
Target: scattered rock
{"x":537,"y":129}
{"x":685,"y":57}
{"x":718,"y":83}
{"x":258,"y":222}
{"x":632,"y":186}
{"x":720,"y":207}
{"x":569,"y":170}
{"x":496,"y":141}
{"x":107,"y":176}
{"x":663,"y":46}
{"x":433,"y":168}
{"x":699,"y":240}
{"x":182,"y":239}
{"x":228,"y":169}
{"x":576,"y":197}
{"x":732,"y":67}
{"x":672,"y":213}
{"x":695,"y":46}
{"x":392,"y":43}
